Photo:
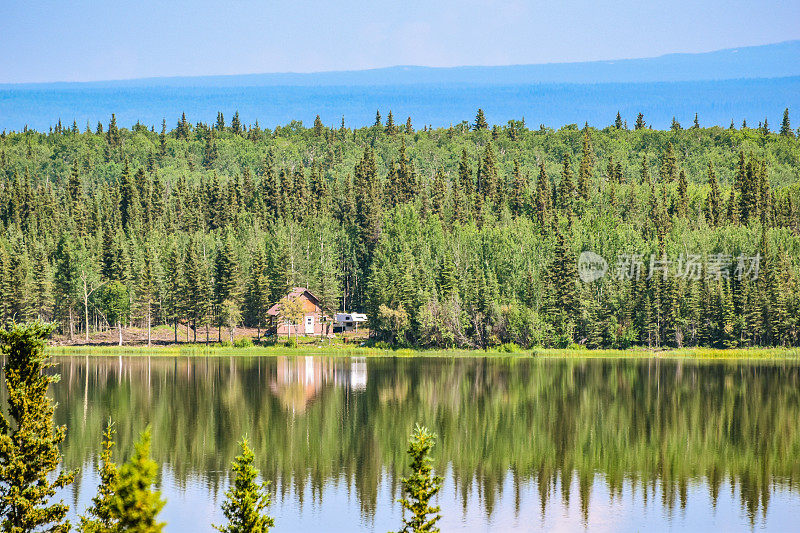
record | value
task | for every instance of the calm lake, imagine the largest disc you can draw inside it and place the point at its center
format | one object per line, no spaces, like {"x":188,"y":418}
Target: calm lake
{"x":524,"y":443}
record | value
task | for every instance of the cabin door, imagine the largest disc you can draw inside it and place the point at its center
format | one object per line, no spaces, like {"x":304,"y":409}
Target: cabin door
{"x":309,"y":324}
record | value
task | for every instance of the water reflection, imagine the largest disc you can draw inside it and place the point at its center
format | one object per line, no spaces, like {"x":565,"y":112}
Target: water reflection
{"x":524,"y":441}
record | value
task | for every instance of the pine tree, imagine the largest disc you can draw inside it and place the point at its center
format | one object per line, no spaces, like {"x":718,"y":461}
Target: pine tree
{"x":112,"y":136}
{"x":257,"y":292}
{"x":683,"y":199}
{"x":391,"y":128}
{"x":319,"y":128}
{"x":585,"y":169}
{"x":480,"y":121}
{"x":640,"y":124}
{"x":100,"y":516}
{"x":246,"y":500}
{"x":447,"y":276}
{"x":487,"y":176}
{"x":421,"y":486}
{"x":236,"y":124}
{"x":29,"y":440}
{"x":669,"y":165}
{"x":183,"y":129}
{"x":618,"y":121}
{"x":135,"y":504}
{"x":468,"y":186}
{"x":173,"y":280}
{"x":543,"y":198}
{"x":786,"y":127}
{"x":567,"y":192}
{"x":129,"y":205}
{"x":438,"y":193}
{"x":714,"y":201}
{"x":519,"y":191}
{"x":378,"y":120}
{"x":41,"y":285}
{"x":696,"y":125}
{"x":210,"y":152}
{"x":226,"y":274}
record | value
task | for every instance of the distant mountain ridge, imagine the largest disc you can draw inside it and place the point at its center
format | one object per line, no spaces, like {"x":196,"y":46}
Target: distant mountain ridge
{"x":764,"y":61}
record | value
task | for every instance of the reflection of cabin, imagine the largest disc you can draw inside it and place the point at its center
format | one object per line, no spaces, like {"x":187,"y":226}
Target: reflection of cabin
{"x":314,"y":321}
{"x":348,"y":321}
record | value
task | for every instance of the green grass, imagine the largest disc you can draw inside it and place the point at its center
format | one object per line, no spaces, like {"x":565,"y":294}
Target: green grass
{"x":351,"y":350}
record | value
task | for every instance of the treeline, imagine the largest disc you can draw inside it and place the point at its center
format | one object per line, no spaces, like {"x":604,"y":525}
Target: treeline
{"x":465,"y":236}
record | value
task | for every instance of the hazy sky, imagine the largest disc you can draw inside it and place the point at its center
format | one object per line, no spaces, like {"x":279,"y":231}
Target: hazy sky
{"x":80,"y":40}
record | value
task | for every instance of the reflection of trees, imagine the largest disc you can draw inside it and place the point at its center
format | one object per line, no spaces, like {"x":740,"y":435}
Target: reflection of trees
{"x":655,"y":425}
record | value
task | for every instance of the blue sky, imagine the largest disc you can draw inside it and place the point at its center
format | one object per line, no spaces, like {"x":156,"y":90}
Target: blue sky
{"x":81,"y":40}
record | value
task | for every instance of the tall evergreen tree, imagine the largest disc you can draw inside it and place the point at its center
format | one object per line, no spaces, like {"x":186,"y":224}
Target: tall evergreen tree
{"x":135,"y":504}
{"x":421,"y":486}
{"x":786,"y":127}
{"x":480,"y":121}
{"x":247,"y":499}
{"x":29,"y":440}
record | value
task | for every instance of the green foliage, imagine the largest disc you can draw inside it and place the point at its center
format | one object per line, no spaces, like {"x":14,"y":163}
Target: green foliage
{"x":247,"y":499}
{"x":101,"y":516}
{"x":29,"y":441}
{"x":458,"y":227}
{"x":135,"y":505}
{"x":421,"y":485}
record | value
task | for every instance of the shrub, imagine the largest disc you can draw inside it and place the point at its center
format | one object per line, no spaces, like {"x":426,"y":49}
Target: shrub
{"x":244,"y":342}
{"x":291,"y":343}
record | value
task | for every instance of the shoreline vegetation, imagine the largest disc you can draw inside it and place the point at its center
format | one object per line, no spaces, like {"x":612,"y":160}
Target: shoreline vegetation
{"x":343,"y":350}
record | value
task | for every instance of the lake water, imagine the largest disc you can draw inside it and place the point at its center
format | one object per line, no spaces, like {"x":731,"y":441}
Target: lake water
{"x":524,"y":443}
{"x":553,"y":104}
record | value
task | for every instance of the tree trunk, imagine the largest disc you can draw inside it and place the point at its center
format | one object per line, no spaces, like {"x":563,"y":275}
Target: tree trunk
{"x":71,"y":325}
{"x":232,"y":330}
{"x":176,"y":330}
{"x":206,"y":335}
{"x":119,"y":325}
{"x":86,"y":313}
{"x":148,"y":325}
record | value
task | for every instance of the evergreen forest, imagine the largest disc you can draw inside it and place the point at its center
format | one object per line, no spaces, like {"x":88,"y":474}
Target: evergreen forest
{"x":468,"y":236}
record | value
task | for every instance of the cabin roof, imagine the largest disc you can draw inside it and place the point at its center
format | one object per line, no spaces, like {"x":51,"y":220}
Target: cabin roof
{"x":297,"y":292}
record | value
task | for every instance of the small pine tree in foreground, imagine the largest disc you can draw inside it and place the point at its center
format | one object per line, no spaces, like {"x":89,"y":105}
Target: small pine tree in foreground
{"x":246,"y":499}
{"x":100,"y":517}
{"x":135,"y":504}
{"x":421,"y":485}
{"x":29,"y":441}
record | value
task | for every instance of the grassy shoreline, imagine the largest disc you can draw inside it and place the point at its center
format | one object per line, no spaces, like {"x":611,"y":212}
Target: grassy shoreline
{"x":202,"y":350}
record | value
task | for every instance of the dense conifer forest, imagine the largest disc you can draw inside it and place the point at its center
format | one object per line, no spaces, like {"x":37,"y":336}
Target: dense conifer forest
{"x":464,"y":236}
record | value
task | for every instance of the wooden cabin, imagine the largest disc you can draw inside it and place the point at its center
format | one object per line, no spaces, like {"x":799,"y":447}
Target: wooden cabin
{"x":314,"y":323}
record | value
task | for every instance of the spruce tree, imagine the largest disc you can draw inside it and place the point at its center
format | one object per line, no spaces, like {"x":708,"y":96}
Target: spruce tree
{"x":246,"y":499}
{"x":786,"y":127}
{"x":480,"y":121}
{"x":319,"y":128}
{"x":585,"y":169}
{"x":421,"y":485}
{"x":618,"y":121}
{"x":135,"y":504}
{"x":519,"y":191}
{"x":29,"y":440}
{"x":683,"y":198}
{"x":391,"y":128}
{"x":100,"y":516}
{"x":714,"y":201}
